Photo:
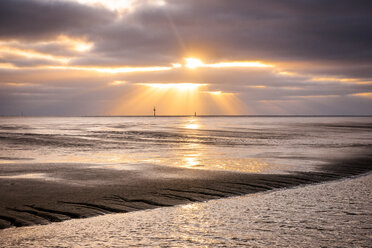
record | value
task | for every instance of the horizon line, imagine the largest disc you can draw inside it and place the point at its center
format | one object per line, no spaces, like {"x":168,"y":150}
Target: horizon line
{"x":190,"y":115}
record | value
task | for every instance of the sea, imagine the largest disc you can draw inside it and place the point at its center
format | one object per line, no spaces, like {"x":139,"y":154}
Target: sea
{"x":332,"y":214}
{"x":244,"y":144}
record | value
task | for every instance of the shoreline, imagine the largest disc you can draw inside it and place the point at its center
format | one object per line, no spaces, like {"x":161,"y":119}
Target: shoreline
{"x":61,"y":192}
{"x":320,"y":218}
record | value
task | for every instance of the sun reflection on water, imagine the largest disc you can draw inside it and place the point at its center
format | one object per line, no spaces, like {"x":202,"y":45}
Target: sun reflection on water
{"x":192,"y":126}
{"x":185,"y":143}
{"x":192,"y":123}
{"x":191,"y":160}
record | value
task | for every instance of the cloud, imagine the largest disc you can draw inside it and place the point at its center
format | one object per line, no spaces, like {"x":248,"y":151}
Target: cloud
{"x":37,"y":19}
{"x":293,"y":31}
{"x":302,"y":31}
{"x":323,"y":47}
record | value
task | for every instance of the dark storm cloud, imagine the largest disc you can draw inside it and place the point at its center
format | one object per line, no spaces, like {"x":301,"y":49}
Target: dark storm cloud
{"x":35,"y":19}
{"x":330,"y":31}
{"x":320,"y":30}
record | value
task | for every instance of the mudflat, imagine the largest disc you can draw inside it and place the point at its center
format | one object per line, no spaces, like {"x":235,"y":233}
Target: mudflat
{"x":41,"y":193}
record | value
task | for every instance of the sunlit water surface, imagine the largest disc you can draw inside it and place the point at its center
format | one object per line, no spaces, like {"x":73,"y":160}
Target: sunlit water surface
{"x":248,"y":144}
{"x":335,"y":214}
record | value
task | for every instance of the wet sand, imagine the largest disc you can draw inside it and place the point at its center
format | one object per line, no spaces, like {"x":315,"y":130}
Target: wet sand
{"x":44,"y":193}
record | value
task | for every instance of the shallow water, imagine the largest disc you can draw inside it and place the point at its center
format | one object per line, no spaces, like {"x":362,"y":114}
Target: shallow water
{"x":69,"y":153}
{"x":248,"y":144}
{"x":336,"y":214}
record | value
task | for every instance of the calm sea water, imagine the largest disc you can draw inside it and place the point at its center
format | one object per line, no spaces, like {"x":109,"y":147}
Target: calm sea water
{"x":248,"y":144}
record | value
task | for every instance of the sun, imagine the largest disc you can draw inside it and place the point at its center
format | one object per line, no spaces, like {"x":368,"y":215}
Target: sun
{"x":193,"y":63}
{"x":175,"y":86}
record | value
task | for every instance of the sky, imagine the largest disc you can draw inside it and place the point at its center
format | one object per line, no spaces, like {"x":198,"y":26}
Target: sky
{"x":236,"y":57}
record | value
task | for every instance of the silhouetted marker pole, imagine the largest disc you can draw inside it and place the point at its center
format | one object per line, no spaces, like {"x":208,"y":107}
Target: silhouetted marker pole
{"x":195,"y":114}
{"x":154,"y":111}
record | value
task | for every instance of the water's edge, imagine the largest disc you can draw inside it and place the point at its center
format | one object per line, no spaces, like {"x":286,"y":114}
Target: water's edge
{"x":49,"y":202}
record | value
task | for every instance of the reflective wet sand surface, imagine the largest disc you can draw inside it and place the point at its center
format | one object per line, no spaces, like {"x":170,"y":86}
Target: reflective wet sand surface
{"x":334,"y":214}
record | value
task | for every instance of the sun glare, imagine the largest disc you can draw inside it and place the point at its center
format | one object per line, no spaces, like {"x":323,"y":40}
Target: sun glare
{"x":177,"y":99}
{"x":118,"y":82}
{"x":118,"y":5}
{"x":176,"y":65}
{"x":239,"y":64}
{"x":110,"y":4}
{"x":193,"y":63}
{"x":177,"y":86}
{"x":216,"y":93}
{"x":77,"y":44}
{"x":219,"y":93}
